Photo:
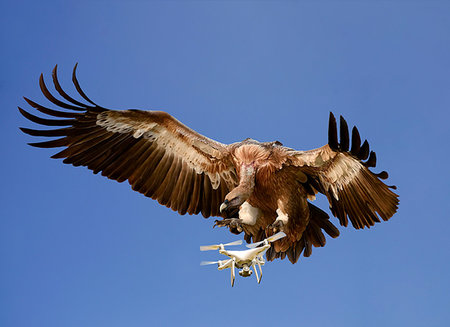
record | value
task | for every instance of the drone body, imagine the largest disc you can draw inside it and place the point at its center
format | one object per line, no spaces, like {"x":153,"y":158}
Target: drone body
{"x":243,"y":259}
{"x":259,"y":188}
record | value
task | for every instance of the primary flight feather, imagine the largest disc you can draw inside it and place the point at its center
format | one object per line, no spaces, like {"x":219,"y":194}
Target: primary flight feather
{"x":258,"y":188}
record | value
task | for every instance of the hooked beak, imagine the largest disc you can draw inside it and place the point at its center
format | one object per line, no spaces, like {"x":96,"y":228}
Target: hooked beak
{"x":224,"y":205}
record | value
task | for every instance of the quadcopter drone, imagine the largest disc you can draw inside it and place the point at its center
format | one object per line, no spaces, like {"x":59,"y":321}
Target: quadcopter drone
{"x":242,"y":259}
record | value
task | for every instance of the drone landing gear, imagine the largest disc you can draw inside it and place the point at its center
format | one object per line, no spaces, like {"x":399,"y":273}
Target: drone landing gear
{"x":258,"y":278}
{"x":247,"y":272}
{"x":233,"y":266}
{"x":234,"y":224}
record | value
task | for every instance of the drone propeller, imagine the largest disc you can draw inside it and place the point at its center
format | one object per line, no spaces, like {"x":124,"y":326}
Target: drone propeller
{"x":272,"y":238}
{"x":218,"y":246}
{"x":205,"y":263}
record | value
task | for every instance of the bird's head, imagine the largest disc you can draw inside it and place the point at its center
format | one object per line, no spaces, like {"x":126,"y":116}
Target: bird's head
{"x":234,"y":200}
{"x":242,"y":192}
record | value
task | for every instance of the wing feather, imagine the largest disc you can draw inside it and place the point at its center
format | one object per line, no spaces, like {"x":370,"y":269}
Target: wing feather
{"x":186,"y":190}
{"x":170,"y":181}
{"x":356,"y":142}
{"x":112,"y":155}
{"x":158,"y":155}
{"x":353,"y":191}
{"x":178,"y":184}
{"x":206,"y":198}
{"x":196,"y":195}
{"x":122,"y":169}
{"x":61,"y":91}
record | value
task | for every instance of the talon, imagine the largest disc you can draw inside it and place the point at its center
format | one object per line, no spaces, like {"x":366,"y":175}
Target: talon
{"x":234,"y":224}
{"x":222,"y":223}
{"x":277,"y":226}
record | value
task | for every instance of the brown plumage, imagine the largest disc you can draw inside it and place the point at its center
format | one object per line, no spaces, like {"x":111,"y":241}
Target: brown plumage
{"x":258,"y":188}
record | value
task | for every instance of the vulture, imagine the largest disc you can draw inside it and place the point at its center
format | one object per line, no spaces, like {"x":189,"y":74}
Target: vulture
{"x":258,"y":188}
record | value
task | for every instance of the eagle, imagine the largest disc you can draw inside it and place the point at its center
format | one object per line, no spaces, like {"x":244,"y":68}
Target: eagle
{"x":258,"y":188}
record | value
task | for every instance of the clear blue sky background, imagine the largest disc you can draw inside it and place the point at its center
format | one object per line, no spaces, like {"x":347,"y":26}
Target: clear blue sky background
{"x":80,"y":250}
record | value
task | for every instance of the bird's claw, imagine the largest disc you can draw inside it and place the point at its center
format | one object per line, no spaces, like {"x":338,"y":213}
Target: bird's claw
{"x":234,"y":224}
{"x":277,"y":226}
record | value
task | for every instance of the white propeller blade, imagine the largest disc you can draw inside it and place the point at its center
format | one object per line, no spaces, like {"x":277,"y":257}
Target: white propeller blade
{"x":218,"y":246}
{"x":204,"y":263}
{"x":272,"y":238}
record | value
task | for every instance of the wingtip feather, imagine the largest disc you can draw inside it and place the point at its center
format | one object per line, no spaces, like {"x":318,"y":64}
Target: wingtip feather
{"x":356,"y":142}
{"x":332,"y":133}
{"x":372,"y":161}
{"x":345,"y":139}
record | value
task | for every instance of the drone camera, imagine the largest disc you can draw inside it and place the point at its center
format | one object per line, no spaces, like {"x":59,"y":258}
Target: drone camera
{"x":245,"y":272}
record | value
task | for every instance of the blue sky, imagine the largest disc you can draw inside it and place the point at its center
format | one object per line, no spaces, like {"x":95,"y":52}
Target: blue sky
{"x":80,"y":250}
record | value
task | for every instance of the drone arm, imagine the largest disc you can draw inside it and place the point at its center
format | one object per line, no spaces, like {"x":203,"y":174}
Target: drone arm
{"x":272,"y":238}
{"x":224,"y":252}
{"x":224,"y":264}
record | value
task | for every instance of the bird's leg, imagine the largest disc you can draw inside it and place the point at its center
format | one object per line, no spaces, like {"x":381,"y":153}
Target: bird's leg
{"x":277,"y":226}
{"x":280,"y":222}
{"x":234,"y":224}
{"x":248,"y":215}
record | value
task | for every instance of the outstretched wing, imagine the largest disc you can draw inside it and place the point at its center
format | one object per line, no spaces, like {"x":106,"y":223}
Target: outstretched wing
{"x":158,"y":155}
{"x":338,"y":171}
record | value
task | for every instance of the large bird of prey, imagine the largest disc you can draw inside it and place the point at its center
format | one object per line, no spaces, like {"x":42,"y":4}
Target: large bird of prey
{"x":257,"y":188}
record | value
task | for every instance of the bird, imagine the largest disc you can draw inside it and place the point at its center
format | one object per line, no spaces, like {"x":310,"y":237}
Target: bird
{"x":258,"y":188}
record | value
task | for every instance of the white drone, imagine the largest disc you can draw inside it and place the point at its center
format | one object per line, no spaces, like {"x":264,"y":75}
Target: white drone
{"x":242,"y":259}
